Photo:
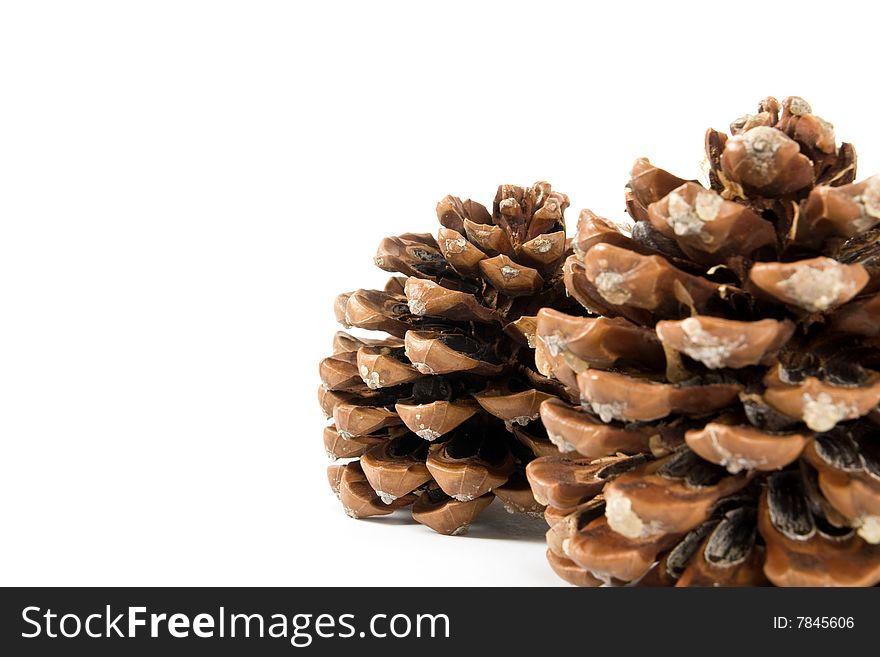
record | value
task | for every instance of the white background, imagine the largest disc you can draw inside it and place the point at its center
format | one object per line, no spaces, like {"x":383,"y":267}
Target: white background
{"x":185,"y":186}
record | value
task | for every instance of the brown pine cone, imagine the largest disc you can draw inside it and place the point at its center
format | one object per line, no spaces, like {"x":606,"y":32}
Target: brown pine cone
{"x":441,"y":413}
{"x":723,"y":428}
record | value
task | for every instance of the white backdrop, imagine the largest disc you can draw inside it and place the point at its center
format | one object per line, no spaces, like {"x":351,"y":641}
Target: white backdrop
{"x":185,"y":186}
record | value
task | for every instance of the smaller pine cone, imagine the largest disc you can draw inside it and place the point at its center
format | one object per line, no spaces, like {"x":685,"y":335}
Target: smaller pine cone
{"x":439,"y":413}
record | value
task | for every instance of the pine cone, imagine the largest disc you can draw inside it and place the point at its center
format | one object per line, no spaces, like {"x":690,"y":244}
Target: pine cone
{"x":723,"y":428}
{"x":441,"y":414}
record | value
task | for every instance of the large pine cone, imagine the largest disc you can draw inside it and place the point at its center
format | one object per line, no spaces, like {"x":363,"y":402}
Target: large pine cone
{"x":441,"y":415}
{"x":723,"y":424}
